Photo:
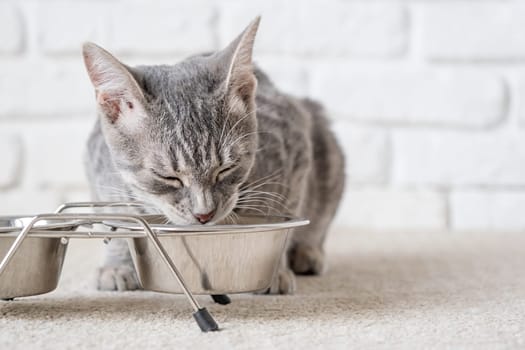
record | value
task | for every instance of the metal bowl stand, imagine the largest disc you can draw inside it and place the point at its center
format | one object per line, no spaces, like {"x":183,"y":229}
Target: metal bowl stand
{"x":201,"y":315}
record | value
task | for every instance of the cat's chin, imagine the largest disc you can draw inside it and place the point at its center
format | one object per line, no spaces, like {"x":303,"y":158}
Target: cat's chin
{"x":176,"y":220}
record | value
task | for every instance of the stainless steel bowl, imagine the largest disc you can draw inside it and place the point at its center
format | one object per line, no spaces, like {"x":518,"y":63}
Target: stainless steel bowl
{"x":36,"y":266}
{"x":218,"y":259}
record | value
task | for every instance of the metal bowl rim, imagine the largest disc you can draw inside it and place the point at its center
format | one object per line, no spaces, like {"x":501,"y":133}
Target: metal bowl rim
{"x":290,"y":222}
{"x":66,"y":225}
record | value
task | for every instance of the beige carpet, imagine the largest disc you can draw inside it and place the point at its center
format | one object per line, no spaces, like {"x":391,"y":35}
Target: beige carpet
{"x":382,"y":291}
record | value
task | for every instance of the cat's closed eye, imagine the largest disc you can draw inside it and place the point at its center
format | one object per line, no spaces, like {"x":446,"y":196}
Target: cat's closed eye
{"x":225,"y":171}
{"x":173,"y":180}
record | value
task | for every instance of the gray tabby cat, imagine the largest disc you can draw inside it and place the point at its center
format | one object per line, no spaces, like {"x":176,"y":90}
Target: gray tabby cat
{"x":206,"y":139}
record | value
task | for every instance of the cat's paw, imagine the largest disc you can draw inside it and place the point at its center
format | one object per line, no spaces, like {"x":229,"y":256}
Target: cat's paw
{"x":283,"y":283}
{"x":119,"y":278}
{"x":306,"y":260}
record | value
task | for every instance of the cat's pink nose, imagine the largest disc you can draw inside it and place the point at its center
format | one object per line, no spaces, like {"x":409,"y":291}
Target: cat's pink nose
{"x":204,"y":218}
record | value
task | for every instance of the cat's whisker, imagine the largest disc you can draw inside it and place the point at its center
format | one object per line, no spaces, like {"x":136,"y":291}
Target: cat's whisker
{"x":261,"y":202}
{"x":232,"y":216}
{"x":263,"y":205}
{"x":221,"y":140}
{"x":268,"y":183}
{"x":235,"y":217}
{"x":261,"y":196}
{"x":251,"y":207}
{"x":266,"y":201}
{"x":266,"y":209}
{"x":248,"y":201}
{"x":266,"y":193}
{"x":269,"y":177}
{"x":261,"y":179}
{"x":238,"y":139}
{"x":228,"y":114}
{"x":237,"y":206}
{"x":267,"y":197}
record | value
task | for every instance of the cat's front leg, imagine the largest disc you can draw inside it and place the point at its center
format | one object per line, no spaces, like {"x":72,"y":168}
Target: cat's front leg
{"x":283,"y":281}
{"x":118,"y":272}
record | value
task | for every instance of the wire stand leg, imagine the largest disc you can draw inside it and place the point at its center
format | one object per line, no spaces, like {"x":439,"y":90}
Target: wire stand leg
{"x":202,"y":316}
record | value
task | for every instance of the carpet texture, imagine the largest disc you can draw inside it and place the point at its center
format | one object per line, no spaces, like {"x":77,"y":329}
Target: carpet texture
{"x":425,"y":290}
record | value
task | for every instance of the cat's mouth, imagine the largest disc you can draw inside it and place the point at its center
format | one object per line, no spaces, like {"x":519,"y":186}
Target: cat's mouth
{"x":219,"y":217}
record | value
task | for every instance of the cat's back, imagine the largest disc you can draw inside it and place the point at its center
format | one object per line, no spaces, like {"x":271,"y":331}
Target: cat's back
{"x":300,"y":128}
{"x":278,"y":110}
{"x":284,"y":113}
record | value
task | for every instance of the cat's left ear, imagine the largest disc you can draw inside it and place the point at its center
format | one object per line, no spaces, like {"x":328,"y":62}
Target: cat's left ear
{"x":118,"y":93}
{"x":240,"y":80}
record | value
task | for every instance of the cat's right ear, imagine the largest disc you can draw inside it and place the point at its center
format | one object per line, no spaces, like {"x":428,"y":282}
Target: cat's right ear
{"x":240,"y":81}
{"x":118,"y":93}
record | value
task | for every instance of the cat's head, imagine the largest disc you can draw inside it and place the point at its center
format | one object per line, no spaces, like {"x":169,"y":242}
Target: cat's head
{"x":182,"y":137}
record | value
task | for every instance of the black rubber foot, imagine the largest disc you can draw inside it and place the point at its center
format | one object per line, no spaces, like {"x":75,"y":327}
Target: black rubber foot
{"x":222,"y":299}
{"x":205,"y":320}
{"x":8,"y":299}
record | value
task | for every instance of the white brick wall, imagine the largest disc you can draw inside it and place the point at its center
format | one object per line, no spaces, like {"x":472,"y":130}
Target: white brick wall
{"x":410,"y":96}
{"x":11,"y":29}
{"x":11,"y":156}
{"x":367,"y":153}
{"x":427,"y":96}
{"x":320,"y":28}
{"x":55,"y":20}
{"x":166,"y":27}
{"x":459,"y":158}
{"x":466,"y":31}
{"x":487,"y":209}
{"x":392,"y":209}
{"x":44,"y":89}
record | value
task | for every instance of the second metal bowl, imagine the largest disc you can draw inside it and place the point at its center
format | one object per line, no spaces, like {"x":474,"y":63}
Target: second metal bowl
{"x":35,"y":268}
